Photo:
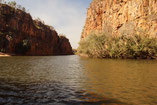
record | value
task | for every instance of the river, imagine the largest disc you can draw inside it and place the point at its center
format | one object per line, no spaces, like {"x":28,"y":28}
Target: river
{"x":72,"y":80}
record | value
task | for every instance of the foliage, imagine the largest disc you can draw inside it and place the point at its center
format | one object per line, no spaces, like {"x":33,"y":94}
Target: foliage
{"x":39,"y":23}
{"x":2,"y":50}
{"x":38,"y":20}
{"x":13,"y":4}
{"x":62,"y":35}
{"x":1,"y":33}
{"x":125,"y":46}
{"x":24,"y":46}
{"x":25,"y":42}
{"x":51,"y":27}
{"x":74,"y":51}
{"x":98,"y":0}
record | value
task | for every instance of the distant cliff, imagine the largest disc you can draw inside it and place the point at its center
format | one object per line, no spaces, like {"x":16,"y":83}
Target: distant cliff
{"x":21,"y":35}
{"x":118,"y":16}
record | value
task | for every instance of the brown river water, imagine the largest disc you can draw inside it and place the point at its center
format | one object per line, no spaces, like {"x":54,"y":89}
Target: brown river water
{"x":72,"y":80}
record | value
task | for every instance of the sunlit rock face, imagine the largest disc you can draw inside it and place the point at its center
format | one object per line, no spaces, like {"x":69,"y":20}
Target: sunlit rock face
{"x":21,"y":35}
{"x":121,"y":16}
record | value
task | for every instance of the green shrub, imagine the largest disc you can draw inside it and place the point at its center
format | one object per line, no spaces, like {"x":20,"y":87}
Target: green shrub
{"x":125,"y":46}
{"x":1,"y":33}
{"x":13,"y":4}
{"x":22,"y":47}
{"x":3,"y":50}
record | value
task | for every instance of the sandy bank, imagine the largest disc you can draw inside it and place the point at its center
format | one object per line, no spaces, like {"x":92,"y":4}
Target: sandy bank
{"x":4,"y":55}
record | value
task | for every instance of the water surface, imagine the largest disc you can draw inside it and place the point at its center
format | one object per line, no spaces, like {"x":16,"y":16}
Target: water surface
{"x":71,"y":80}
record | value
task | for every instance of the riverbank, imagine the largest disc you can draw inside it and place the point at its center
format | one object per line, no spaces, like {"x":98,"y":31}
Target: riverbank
{"x":136,"y":46}
{"x":83,"y":55}
{"x":4,"y":55}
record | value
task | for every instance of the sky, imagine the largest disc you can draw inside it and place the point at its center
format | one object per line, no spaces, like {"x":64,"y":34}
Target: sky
{"x":66,"y":16}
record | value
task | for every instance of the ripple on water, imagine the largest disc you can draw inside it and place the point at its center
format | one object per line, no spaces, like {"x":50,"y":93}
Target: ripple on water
{"x":71,"y":80}
{"x":49,"y":94}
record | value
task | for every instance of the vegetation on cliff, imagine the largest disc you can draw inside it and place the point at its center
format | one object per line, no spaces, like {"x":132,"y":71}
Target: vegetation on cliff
{"x":13,"y":4}
{"x":122,"y":29}
{"x":139,"y":45}
{"x":21,"y":35}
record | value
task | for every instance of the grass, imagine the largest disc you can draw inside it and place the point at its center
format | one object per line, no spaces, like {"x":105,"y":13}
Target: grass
{"x":134,"y":46}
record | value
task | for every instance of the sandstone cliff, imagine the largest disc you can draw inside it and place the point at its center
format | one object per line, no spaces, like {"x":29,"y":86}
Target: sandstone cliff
{"x":121,"y":16}
{"x":21,"y":35}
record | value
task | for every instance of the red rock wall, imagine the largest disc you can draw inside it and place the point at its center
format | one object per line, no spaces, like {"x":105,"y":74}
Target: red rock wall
{"x":118,"y":16}
{"x":21,"y":35}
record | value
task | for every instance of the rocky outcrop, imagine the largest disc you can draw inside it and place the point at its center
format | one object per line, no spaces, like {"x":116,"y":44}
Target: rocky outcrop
{"x":21,"y":35}
{"x":121,"y":16}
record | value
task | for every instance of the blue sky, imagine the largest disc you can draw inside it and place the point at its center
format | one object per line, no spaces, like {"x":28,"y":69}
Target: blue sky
{"x":66,"y":16}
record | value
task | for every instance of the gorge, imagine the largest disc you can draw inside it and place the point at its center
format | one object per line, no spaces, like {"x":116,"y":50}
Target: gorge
{"x":41,"y":73}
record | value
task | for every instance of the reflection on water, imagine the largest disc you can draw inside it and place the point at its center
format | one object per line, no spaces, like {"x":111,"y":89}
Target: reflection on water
{"x":71,"y":80}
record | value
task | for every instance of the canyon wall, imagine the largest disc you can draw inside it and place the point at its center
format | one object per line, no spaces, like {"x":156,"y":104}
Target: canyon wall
{"x":121,"y":17}
{"x":21,"y":35}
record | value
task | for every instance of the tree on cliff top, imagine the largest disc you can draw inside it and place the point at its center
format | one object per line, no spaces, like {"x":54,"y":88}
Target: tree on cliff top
{"x":13,"y":4}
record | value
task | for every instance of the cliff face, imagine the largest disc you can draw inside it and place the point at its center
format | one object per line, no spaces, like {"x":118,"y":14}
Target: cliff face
{"x":121,"y":16}
{"x":21,"y":35}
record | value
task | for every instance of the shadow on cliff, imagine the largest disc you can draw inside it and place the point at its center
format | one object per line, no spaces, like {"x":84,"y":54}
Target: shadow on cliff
{"x":21,"y":35}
